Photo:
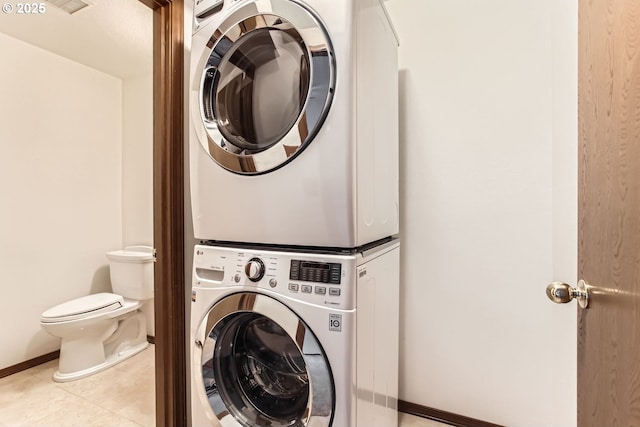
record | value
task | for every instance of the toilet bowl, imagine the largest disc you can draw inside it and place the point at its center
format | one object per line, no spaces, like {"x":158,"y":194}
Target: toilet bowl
{"x":97,"y":331}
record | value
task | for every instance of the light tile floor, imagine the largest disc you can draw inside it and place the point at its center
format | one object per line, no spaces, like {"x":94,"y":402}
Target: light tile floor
{"x":122,"y":396}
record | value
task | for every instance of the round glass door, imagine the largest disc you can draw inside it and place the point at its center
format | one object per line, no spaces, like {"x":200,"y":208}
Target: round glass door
{"x":266,"y":87}
{"x":261,"y":365}
{"x":256,"y":102}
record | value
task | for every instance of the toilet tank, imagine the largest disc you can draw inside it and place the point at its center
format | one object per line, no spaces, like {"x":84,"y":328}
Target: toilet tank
{"x":131,"y":272}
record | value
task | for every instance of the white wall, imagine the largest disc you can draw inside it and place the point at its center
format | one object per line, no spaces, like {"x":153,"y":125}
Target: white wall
{"x":60,"y":186}
{"x":137,"y":160}
{"x":563,"y":321}
{"x":137,"y":166}
{"x":488,"y":188}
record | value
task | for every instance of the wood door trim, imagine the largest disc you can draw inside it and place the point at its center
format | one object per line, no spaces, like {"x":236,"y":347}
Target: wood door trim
{"x":168,"y":211}
{"x":441,"y":416}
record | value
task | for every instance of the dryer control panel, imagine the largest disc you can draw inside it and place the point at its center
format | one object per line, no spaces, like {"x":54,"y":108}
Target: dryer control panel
{"x":321,"y":279}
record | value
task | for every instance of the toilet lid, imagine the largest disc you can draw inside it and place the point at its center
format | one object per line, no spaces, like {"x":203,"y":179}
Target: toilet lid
{"x":135,"y":254}
{"x":80,"y":307}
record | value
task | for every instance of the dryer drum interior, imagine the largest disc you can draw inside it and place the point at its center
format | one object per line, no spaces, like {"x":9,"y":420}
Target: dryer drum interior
{"x":266,"y":87}
{"x":259,"y":89}
{"x":261,"y":374}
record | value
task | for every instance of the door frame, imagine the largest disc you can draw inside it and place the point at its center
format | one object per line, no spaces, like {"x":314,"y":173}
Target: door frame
{"x":168,"y":212}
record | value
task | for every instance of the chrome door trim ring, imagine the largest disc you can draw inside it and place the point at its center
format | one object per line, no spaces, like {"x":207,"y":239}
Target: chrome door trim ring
{"x":321,"y":84}
{"x":321,"y":405}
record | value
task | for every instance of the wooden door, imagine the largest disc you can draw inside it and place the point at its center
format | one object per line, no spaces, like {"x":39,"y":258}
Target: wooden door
{"x":609,"y":212}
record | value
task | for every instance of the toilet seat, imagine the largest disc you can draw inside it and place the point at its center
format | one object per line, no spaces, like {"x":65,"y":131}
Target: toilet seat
{"x":84,"y":307}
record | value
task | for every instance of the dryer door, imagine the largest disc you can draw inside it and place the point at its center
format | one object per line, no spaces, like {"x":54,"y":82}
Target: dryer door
{"x":266,"y":83}
{"x":262,"y":366}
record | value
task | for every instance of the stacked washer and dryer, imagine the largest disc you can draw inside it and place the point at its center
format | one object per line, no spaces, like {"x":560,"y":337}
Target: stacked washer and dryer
{"x":294,"y":188}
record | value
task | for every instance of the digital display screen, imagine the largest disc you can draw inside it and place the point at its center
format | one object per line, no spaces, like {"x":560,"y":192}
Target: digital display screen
{"x":318,"y":272}
{"x":323,"y":266}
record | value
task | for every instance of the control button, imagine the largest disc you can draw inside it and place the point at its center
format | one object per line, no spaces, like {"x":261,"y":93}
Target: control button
{"x":273,"y":283}
{"x":335,"y":273}
{"x":236,"y":278}
{"x":293,"y":287}
{"x":254,"y":269}
{"x":321,"y":290}
{"x":307,"y":289}
{"x":294,"y":272}
{"x":334,"y":291}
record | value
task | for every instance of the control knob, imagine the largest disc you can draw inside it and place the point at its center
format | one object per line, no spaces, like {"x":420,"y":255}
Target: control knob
{"x":254,"y":269}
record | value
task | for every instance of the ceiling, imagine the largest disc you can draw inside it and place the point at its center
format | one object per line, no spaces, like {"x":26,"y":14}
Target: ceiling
{"x":113,"y":36}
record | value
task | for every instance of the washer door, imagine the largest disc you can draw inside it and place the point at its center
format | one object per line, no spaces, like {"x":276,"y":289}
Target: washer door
{"x":267,"y":79}
{"x":262,"y":366}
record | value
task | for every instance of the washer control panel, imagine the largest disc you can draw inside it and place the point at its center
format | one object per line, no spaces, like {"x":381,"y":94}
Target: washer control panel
{"x":321,"y":279}
{"x":320,"y":272}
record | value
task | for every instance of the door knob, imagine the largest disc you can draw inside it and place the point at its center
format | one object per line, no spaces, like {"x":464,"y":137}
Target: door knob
{"x":561,"y":293}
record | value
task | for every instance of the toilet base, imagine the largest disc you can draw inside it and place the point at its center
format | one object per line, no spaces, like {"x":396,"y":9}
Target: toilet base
{"x":110,"y":360}
{"x":101,"y":344}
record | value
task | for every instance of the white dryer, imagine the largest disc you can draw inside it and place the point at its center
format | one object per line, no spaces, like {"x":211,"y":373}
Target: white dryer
{"x":294,"y":339}
{"x":293,"y":122}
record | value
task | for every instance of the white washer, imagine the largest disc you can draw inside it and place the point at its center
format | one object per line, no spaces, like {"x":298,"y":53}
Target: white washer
{"x":275,"y":335}
{"x":294,"y":122}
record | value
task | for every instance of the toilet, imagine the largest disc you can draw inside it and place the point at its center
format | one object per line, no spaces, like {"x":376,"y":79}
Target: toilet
{"x":103,"y":329}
